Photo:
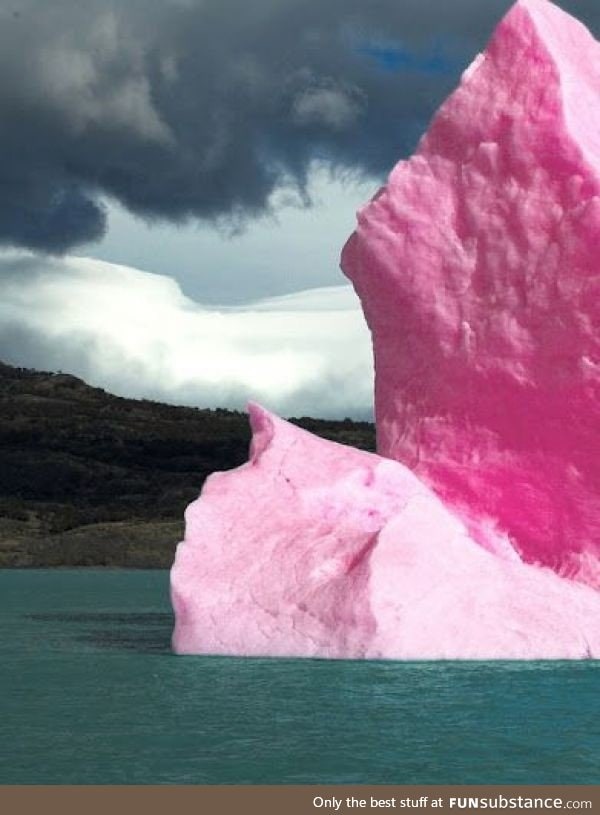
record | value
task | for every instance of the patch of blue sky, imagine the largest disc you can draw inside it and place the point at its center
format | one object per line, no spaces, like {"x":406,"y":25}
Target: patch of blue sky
{"x":393,"y":57}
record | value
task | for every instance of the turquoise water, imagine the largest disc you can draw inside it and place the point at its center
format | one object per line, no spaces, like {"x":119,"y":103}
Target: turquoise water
{"x":91,"y":694}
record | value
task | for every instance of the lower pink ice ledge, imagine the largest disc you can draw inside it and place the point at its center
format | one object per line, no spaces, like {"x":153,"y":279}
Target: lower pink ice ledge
{"x":315,"y":549}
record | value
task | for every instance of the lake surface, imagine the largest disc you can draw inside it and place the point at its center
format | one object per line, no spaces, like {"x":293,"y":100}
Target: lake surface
{"x":91,"y":694}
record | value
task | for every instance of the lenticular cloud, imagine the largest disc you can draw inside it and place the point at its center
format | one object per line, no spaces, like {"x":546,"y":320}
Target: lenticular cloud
{"x":137,"y":334}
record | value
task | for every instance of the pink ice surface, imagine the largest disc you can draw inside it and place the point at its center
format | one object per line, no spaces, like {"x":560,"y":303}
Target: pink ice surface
{"x":478,"y":267}
{"x":317,"y":549}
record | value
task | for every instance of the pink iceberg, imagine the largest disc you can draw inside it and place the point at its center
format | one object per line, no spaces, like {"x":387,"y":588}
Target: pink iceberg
{"x":317,"y":549}
{"x":478,"y":267}
{"x":476,"y":532}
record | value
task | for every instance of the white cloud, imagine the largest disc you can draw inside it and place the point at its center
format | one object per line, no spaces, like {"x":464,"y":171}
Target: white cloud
{"x":136,"y":333}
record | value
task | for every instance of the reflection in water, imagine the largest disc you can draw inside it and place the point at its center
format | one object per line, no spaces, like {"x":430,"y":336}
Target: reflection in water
{"x":142,"y":632}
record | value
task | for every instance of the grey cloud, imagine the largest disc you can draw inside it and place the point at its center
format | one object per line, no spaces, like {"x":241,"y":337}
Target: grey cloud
{"x":201,"y":108}
{"x":31,"y":347}
{"x":328,"y":105}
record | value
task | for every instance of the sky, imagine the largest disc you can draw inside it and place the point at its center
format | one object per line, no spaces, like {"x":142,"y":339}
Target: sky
{"x":178,"y":177}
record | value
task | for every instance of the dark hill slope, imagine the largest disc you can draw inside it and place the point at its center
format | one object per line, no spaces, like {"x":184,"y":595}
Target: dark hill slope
{"x":88,"y":478}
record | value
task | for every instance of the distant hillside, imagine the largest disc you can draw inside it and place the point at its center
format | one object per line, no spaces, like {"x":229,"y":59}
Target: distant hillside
{"x":91,"y":479}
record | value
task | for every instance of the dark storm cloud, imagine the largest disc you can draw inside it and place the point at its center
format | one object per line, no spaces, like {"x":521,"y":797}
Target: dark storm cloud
{"x":202,"y":107}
